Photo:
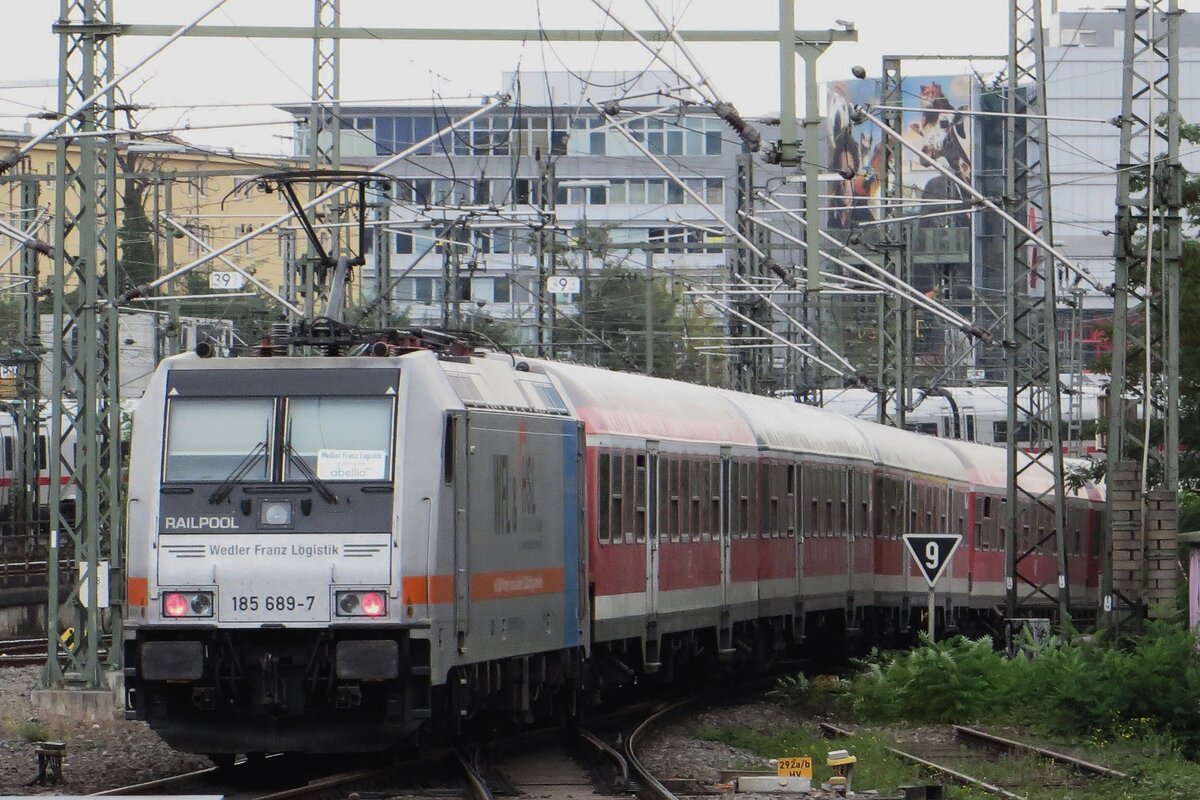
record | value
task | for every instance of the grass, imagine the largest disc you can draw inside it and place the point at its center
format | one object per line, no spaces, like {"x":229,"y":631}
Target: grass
{"x":28,"y":731}
{"x":876,"y":768}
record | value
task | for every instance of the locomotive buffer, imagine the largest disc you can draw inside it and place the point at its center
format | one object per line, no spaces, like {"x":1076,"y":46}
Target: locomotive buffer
{"x":932,"y":553}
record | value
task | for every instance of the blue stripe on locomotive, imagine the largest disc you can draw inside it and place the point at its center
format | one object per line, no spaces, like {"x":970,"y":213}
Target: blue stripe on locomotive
{"x":570,"y":528}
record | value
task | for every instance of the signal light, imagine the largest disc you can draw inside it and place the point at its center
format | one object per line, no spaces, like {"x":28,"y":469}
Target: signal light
{"x":175,"y":605}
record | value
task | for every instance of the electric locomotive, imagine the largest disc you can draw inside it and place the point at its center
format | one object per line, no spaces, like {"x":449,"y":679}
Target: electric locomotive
{"x":312,"y":540}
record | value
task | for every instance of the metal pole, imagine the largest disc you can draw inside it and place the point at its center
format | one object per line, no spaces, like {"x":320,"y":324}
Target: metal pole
{"x":931,"y":606}
{"x":25,"y":481}
{"x":649,"y":312}
{"x":788,"y":149}
{"x":547,"y":189}
{"x":169,"y":263}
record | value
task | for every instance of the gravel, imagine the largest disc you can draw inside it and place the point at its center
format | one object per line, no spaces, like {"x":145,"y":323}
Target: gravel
{"x":100,"y":755}
{"x":110,"y":754}
{"x":694,"y":765}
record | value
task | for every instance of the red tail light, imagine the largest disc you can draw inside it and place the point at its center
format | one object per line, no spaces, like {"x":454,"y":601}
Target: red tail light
{"x":373,"y":605}
{"x":175,"y":605}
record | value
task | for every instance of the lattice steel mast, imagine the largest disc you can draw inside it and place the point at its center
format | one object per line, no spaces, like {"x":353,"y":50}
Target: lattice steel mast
{"x":324,"y":130}
{"x":893,"y":311}
{"x":1148,"y":224}
{"x":1035,"y":478}
{"x":85,"y":462}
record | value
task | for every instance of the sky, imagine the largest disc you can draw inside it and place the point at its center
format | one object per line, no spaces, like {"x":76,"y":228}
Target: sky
{"x":195,"y":82}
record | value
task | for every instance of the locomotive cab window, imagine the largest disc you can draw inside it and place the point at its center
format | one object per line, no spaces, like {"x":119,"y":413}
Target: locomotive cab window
{"x":339,"y":438}
{"x":209,"y":438}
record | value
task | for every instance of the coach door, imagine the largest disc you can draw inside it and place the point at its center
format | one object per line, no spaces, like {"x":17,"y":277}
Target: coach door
{"x":648,"y":522}
{"x":968,"y":424}
{"x":725,"y":521}
{"x":456,"y":448}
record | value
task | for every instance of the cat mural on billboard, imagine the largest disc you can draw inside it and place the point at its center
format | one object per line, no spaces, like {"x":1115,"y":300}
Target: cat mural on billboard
{"x":935,"y":127}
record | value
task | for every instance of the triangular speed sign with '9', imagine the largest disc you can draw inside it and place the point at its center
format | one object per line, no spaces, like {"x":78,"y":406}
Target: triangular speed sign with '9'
{"x":932,"y":552}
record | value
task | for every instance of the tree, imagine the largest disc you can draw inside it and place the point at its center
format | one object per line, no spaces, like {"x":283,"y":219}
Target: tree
{"x":137,"y":259}
{"x":614,"y":310}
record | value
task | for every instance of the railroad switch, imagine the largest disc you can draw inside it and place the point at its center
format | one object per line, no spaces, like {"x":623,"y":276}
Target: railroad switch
{"x":49,"y":756}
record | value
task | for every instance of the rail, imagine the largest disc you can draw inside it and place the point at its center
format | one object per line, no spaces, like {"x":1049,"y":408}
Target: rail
{"x":650,"y":783}
{"x":476,"y":783}
{"x":1061,"y":758}
{"x":953,"y":774}
{"x":609,"y":752}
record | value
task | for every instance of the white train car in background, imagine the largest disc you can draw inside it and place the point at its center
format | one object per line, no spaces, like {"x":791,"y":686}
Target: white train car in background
{"x":980,"y":414}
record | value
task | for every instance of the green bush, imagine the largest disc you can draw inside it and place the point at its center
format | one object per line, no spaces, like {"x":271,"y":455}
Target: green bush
{"x":957,"y":680}
{"x":1096,"y":689}
{"x":29,"y":731}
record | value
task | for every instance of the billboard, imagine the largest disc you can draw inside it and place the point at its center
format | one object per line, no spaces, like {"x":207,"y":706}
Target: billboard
{"x":935,"y":127}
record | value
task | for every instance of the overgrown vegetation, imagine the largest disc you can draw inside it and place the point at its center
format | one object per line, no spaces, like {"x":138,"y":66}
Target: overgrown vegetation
{"x":1133,"y":705}
{"x":1082,"y":689}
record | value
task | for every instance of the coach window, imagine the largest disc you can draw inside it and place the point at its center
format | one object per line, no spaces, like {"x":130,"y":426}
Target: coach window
{"x":864,"y":504}
{"x":671,"y":475}
{"x":616,"y":499}
{"x":9,"y":453}
{"x":812,"y":485}
{"x":789,"y":509}
{"x":695,"y":508}
{"x":319,"y":435}
{"x":640,"y":488}
{"x":603,"y":495}
{"x":210,"y":438}
{"x":714,"y":499}
{"x":629,"y":494}
{"x":981,"y":542}
{"x":843,"y":482}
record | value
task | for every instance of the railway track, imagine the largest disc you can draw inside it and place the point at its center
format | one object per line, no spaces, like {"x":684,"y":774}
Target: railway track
{"x":255,"y":779}
{"x":30,"y":652}
{"x":951,"y":762}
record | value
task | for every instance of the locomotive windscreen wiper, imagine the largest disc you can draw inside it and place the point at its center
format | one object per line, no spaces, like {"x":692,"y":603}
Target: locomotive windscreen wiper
{"x":240,"y":471}
{"x":322,"y":487}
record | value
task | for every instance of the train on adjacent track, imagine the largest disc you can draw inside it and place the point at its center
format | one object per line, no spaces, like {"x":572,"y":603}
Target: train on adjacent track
{"x":334,"y":553}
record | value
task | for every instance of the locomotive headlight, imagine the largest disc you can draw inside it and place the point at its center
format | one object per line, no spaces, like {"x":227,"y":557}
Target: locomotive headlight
{"x":276,"y":513}
{"x":361,"y":604}
{"x":201,"y":604}
{"x":175,"y":605}
{"x":187,"y":604}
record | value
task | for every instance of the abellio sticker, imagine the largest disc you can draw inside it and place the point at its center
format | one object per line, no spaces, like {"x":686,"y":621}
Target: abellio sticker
{"x":351,"y":465}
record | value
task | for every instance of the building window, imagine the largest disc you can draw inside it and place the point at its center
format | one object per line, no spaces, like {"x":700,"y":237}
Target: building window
{"x":394,"y":134}
{"x":240,"y":230}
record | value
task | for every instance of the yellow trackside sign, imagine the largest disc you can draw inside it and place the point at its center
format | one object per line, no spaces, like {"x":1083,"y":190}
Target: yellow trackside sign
{"x":800,"y":767}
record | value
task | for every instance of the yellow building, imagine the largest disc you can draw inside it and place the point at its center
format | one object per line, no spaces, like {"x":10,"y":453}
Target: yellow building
{"x":210,"y":193}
